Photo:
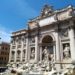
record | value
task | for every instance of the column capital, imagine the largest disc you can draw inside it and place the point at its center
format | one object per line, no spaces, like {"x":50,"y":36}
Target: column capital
{"x":36,"y":49}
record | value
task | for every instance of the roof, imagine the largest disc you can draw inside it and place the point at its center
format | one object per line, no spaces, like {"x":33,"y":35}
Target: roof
{"x":20,"y":32}
{"x":6,"y":43}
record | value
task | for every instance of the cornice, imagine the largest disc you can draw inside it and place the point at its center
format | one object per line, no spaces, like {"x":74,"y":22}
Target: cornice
{"x":53,"y":13}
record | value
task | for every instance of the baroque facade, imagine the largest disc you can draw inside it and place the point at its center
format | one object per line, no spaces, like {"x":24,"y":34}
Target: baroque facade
{"x":50,"y":36}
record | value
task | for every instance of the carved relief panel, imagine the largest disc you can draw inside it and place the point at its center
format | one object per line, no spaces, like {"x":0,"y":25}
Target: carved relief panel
{"x":64,"y":33}
{"x":32,"y":39}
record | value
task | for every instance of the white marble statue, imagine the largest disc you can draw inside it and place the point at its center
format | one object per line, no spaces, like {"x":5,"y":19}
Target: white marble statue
{"x":67,"y":58}
{"x":46,"y":54}
{"x":32,"y":54}
{"x":66,"y":51}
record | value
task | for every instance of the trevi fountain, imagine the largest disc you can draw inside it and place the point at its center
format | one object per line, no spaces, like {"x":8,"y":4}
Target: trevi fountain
{"x":47,"y":47}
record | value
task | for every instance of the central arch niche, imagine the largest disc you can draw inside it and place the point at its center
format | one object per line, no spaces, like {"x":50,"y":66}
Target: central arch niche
{"x":47,"y":44}
{"x":47,"y":39}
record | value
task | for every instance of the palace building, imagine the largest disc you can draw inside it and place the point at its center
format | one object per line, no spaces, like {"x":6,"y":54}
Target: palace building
{"x":4,"y":53}
{"x":50,"y":36}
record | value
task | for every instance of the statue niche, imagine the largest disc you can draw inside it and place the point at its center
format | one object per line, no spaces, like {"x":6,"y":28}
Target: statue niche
{"x":47,"y":48}
{"x":32,"y":56}
{"x":46,"y":55}
{"x":66,"y":51}
{"x":66,"y":54}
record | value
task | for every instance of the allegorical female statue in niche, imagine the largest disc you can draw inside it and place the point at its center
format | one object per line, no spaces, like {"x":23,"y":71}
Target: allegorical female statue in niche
{"x":67,"y":58}
{"x":32,"y":54}
{"x":66,"y":51}
{"x":46,"y":54}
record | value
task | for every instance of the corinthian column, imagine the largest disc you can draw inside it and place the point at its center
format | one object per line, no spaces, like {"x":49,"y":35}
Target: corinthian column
{"x":36,"y":48}
{"x":15,"y":53}
{"x":41,"y":53}
{"x":21,"y":51}
{"x":27,"y":56}
{"x":72,"y":42}
{"x":58,"y":55}
{"x":54,"y":53}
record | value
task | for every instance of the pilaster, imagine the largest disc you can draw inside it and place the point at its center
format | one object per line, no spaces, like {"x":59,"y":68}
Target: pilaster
{"x":40,"y":53}
{"x":16,"y":52}
{"x":27,"y":56}
{"x":58,"y":55}
{"x":36,"y":49}
{"x":21,"y":51}
{"x":54,"y":53}
{"x":72,"y":41}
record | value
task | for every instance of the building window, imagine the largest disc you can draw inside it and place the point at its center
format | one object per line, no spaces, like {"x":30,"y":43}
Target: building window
{"x":24,"y":51}
{"x":2,"y":53}
{"x":6,"y":48}
{"x":12,"y":54}
{"x":19,"y":46}
{"x":5,"y":58}
{"x":13,"y":47}
{"x":24,"y":40}
{"x":2,"y":58}
{"x":2,"y":48}
{"x":13,"y":42}
{"x":18,"y":53}
{"x":19,"y":40}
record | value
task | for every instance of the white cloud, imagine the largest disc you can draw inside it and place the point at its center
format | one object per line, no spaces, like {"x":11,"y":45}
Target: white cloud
{"x":5,"y":34}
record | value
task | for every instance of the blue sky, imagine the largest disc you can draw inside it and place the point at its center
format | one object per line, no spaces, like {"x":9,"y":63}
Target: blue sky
{"x":14,"y":14}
